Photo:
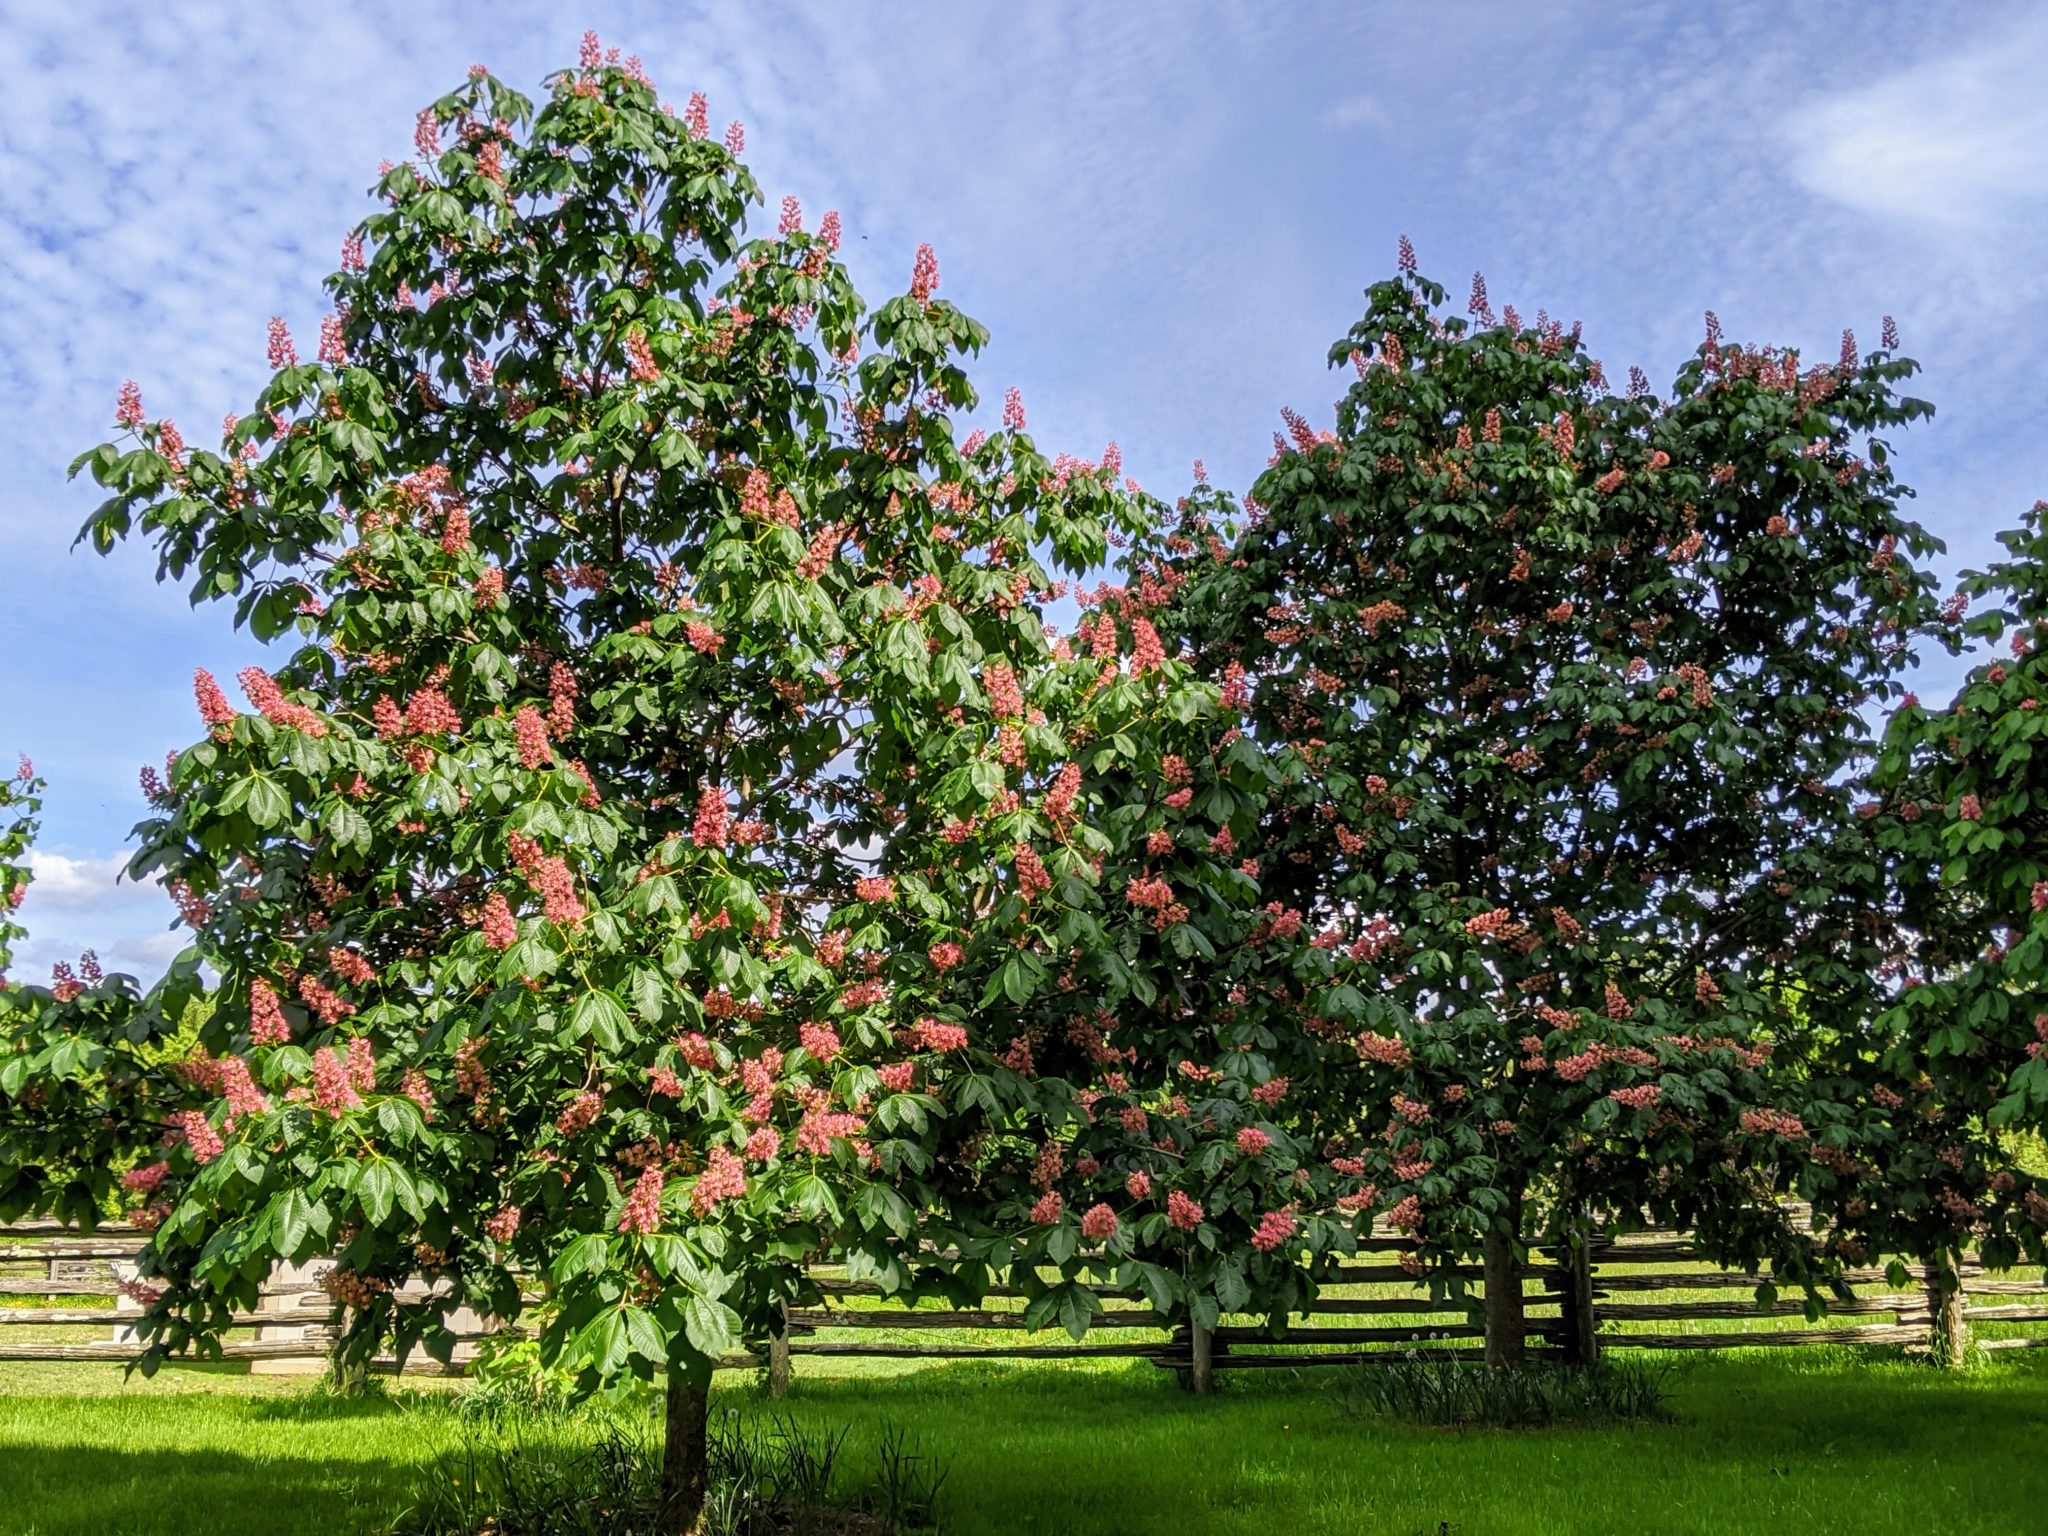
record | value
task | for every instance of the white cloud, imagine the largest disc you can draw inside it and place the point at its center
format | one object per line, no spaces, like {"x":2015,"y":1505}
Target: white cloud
{"x":1955,"y":141}
{"x":1356,"y":112}
{"x":79,"y":902}
{"x":62,"y":883}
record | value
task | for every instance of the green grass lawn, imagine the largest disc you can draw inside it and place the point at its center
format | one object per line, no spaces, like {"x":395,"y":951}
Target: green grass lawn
{"x":1806,"y":1441}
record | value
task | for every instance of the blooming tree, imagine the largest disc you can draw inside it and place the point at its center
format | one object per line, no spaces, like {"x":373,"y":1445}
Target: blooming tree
{"x":1567,"y":683}
{"x":20,"y":801}
{"x":1928,"y":1105}
{"x":555,"y":883}
{"x":82,"y":1079}
{"x":1147,"y":1033}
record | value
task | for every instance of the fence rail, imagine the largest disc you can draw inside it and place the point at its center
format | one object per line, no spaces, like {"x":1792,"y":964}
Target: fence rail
{"x":1644,"y":1291}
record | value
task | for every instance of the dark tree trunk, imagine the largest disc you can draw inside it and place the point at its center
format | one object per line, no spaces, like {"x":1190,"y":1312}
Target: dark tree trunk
{"x":1506,"y":1321}
{"x":683,"y":1459}
{"x":1948,"y":1334}
{"x":348,"y":1372}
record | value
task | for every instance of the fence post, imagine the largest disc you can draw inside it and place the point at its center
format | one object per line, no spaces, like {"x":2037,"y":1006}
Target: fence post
{"x":778,"y":1352}
{"x":1948,"y":1329}
{"x":1200,"y":1344}
{"x":1506,"y":1321}
{"x":1581,"y":1318}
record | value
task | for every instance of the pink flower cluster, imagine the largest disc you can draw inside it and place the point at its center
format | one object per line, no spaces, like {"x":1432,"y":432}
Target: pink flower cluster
{"x":501,"y":929}
{"x":1005,"y":699}
{"x":197,"y":1132}
{"x":642,"y":1213}
{"x":1275,"y":1227}
{"x":820,"y":1127}
{"x":581,"y":1113}
{"x":1773,"y":1122}
{"x":713,"y":820}
{"x":351,"y":966}
{"x":240,"y":1090}
{"x":267,"y":1024}
{"x":549,"y":875}
{"x":282,"y":353}
{"x":938,"y":1035}
{"x":144,"y":1180}
{"x":924,"y":275}
{"x":640,"y":361}
{"x":1384,"y":1049}
{"x":1148,"y":653}
{"x":270,"y":701}
{"x":334,"y":1090}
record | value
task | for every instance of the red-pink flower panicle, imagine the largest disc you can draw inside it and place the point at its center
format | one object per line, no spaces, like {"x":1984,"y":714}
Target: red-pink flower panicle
{"x":1098,"y":1223}
{"x":1275,"y":1227}
{"x":724,"y":1178}
{"x":642,"y":1213}
{"x":924,"y":275}
{"x":267,"y":1024}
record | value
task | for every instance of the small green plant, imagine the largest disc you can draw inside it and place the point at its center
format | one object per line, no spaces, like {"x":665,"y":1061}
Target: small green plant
{"x":910,"y":1481}
{"x":597,"y":1472}
{"x":508,"y":1375}
{"x":1451,"y":1394}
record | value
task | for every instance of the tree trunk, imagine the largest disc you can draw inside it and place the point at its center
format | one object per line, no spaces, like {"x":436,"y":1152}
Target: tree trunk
{"x":348,"y":1373}
{"x":683,"y":1461}
{"x":1506,"y":1321}
{"x":778,"y":1353}
{"x":1948,"y":1337}
{"x":1200,"y":1347}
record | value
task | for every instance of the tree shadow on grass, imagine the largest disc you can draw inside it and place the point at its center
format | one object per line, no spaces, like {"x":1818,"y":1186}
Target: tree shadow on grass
{"x":1763,"y":1445}
{"x":90,"y":1490}
{"x":1845,"y":1447}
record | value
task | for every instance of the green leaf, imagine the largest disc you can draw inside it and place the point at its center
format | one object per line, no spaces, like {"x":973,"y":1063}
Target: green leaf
{"x":376,"y":1190}
{"x":599,"y":1015}
{"x":1232,"y":1289}
{"x":1078,"y":1309}
{"x":709,"y":1326}
{"x":291,"y":1222}
{"x":586,"y":1255}
{"x":644,"y":1336}
{"x":268,"y":805}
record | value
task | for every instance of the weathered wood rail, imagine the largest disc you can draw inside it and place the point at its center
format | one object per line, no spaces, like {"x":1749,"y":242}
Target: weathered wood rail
{"x":1646,"y":1291}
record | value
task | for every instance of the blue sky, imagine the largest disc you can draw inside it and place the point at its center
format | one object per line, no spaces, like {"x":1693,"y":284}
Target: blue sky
{"x":1165,"y":212}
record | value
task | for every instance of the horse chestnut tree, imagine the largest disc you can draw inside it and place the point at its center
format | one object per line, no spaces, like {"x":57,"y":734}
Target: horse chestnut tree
{"x":558,"y":885}
{"x":1566,"y":685}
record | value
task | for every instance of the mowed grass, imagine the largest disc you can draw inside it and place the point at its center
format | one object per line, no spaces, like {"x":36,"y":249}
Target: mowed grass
{"x":1812,"y":1441}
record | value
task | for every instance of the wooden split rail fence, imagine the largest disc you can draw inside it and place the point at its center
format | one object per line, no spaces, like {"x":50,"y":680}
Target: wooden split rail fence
{"x":1643,"y":1291}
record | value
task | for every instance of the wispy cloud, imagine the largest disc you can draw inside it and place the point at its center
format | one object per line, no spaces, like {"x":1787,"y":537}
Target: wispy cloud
{"x":1955,"y":141}
{"x":81,"y":902}
{"x":1356,"y":112}
{"x":65,"y":884}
